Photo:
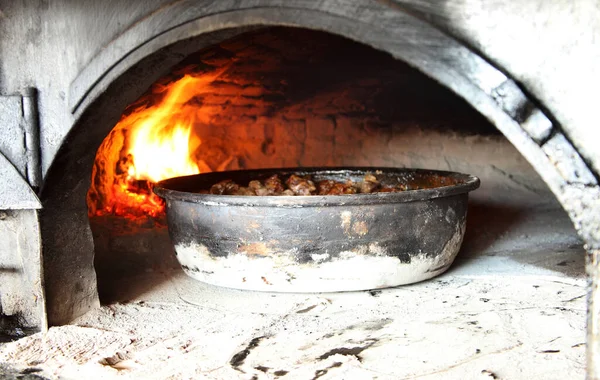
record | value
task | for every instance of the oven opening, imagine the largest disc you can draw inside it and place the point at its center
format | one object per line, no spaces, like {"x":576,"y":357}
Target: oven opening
{"x":295,"y":98}
{"x":275,"y":98}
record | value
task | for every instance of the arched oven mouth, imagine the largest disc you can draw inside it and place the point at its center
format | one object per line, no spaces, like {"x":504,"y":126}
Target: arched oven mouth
{"x":288,"y":96}
{"x":200,"y":101}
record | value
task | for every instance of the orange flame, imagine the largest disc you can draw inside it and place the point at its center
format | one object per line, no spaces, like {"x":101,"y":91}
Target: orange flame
{"x":158,"y":143}
{"x":162,"y":143}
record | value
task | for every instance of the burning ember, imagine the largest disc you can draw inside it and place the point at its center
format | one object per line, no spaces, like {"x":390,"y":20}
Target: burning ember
{"x":151,"y":143}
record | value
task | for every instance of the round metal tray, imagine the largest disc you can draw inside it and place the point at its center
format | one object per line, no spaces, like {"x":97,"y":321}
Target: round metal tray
{"x":318,"y":243}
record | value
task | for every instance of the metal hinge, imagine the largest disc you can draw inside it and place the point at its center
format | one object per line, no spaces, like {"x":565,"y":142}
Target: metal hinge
{"x":20,"y":134}
{"x":20,"y":164}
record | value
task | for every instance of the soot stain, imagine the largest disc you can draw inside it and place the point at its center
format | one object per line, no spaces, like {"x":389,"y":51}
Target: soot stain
{"x":306,"y":310}
{"x":238,"y":359}
{"x":321,"y":372}
{"x":490,"y":374}
{"x":348,"y":351}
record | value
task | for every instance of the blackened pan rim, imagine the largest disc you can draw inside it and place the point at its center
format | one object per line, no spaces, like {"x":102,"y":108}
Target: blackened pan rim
{"x":167,"y":189}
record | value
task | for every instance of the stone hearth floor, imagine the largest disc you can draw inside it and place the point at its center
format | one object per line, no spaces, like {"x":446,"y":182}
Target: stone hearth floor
{"x":512,"y":312}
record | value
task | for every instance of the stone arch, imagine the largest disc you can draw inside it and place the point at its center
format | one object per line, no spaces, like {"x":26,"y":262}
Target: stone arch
{"x":132,"y":61}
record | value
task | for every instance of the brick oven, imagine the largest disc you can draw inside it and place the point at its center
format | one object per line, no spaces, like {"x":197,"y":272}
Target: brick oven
{"x":497,"y":90}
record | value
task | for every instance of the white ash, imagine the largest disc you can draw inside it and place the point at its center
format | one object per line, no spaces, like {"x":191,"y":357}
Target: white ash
{"x":366,"y":267}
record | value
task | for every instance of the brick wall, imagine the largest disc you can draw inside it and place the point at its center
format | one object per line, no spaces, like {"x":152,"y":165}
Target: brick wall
{"x":292,"y":97}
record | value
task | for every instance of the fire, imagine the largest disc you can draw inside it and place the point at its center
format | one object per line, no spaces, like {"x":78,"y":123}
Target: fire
{"x":152,"y":143}
{"x":162,"y":152}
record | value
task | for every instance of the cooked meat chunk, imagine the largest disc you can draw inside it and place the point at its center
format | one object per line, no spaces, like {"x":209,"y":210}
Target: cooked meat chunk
{"x":244,"y":191}
{"x":368,"y":187}
{"x":226,"y":187}
{"x":274,"y":185}
{"x":258,"y":188}
{"x":300,"y":185}
{"x":342,"y":188}
{"x":325,"y":186}
{"x":370,"y":178}
{"x":303,"y":185}
{"x":330,"y":187}
{"x":369,"y":184}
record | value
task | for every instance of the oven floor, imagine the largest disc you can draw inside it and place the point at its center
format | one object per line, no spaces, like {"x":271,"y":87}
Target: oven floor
{"x":510,"y":307}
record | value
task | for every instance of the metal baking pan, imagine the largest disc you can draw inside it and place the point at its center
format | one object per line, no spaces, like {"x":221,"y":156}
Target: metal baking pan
{"x":318,"y":243}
